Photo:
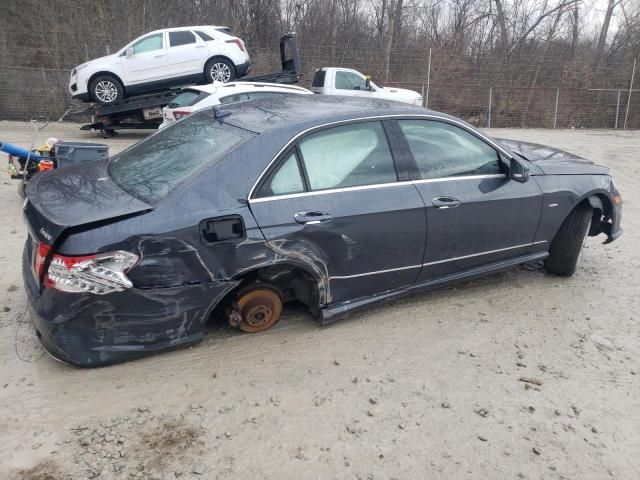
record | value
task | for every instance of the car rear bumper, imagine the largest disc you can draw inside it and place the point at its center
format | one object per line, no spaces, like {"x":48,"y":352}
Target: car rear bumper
{"x":243,"y":68}
{"x":88,"y":330}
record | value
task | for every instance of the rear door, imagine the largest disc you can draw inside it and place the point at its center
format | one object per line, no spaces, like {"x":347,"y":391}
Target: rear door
{"x":476,"y":215}
{"x":186,"y":53}
{"x":148,"y":62}
{"x":337,"y":199}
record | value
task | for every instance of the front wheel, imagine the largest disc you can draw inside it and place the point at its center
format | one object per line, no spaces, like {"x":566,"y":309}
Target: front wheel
{"x":567,"y":244}
{"x":106,"y":90}
{"x":220,"y":70}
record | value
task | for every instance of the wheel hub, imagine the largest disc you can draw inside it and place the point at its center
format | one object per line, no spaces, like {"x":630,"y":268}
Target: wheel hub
{"x":106,"y":91}
{"x":220,"y":72}
{"x":256,"y":310}
{"x":258,"y":315}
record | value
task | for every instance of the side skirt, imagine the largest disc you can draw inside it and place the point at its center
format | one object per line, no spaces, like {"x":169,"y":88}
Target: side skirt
{"x":332,"y":313}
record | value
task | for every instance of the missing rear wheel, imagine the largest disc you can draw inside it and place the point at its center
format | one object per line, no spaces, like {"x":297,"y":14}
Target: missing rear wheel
{"x":256,"y":310}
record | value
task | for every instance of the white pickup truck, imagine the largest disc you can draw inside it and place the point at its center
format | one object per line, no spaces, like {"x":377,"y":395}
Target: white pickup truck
{"x":351,"y":83}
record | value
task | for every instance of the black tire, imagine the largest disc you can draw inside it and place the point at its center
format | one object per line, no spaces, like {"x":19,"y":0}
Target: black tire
{"x":106,"y":90}
{"x":567,"y":244}
{"x":220,"y":69}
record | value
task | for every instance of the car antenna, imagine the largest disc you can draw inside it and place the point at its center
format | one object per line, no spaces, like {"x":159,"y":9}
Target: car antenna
{"x":219,"y":112}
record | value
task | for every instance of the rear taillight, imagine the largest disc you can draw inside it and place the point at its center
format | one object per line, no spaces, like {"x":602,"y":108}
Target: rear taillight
{"x":238,"y":42}
{"x":42,"y":252}
{"x":100,"y":274}
{"x":178,"y":114}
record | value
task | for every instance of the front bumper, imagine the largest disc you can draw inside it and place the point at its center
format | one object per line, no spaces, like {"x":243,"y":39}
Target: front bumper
{"x":89,"y":330}
{"x":613,"y":230}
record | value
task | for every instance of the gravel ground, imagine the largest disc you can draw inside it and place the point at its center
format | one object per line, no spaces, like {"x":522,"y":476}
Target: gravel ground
{"x":518,"y":375}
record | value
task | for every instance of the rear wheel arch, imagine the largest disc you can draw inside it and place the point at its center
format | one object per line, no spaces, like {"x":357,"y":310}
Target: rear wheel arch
{"x":292,"y":281}
{"x":211,"y":60}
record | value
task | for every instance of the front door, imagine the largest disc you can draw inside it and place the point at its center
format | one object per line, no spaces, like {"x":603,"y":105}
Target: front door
{"x":476,"y":215}
{"x":147,"y":62}
{"x":334,"y":200}
{"x":351,"y":84}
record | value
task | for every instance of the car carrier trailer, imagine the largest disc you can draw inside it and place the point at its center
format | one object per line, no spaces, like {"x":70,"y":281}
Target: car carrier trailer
{"x":145,"y":111}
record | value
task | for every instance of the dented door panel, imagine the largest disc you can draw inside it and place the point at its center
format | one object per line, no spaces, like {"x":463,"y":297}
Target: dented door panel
{"x":373,"y":243}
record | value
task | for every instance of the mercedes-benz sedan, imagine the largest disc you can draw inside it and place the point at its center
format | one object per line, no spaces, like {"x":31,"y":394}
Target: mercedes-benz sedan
{"x":338,"y":203}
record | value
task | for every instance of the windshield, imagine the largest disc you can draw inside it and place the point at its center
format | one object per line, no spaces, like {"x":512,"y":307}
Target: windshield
{"x":188,"y":98}
{"x":153,"y":168}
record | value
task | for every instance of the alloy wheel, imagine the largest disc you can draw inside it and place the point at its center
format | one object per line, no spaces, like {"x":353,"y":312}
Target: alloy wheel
{"x":106,"y":91}
{"x":220,"y":72}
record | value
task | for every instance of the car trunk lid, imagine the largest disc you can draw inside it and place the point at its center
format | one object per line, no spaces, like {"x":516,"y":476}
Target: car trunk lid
{"x":73,"y":197}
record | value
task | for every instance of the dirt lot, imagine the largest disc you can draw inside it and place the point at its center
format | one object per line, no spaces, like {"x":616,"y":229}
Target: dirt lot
{"x":519,"y":375}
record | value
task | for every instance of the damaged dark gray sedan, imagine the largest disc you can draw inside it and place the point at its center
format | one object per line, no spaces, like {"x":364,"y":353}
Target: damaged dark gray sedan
{"x":335,"y":202}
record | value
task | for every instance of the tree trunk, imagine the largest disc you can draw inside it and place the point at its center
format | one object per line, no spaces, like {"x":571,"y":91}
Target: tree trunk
{"x":602,"y":40}
{"x":503,"y":26}
{"x":534,"y":80}
{"x":575,"y":30}
{"x":334,"y":29}
{"x":388,"y":41}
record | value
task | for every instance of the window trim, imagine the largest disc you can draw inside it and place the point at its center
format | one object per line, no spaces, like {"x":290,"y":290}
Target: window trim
{"x":412,"y":164}
{"x":265,"y":172}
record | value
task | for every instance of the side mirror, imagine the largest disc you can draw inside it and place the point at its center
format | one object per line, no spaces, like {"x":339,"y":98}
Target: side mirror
{"x":518,"y":171}
{"x":130,"y":51}
{"x":367,"y":82}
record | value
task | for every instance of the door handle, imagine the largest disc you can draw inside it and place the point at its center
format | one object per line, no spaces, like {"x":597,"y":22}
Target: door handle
{"x":445,"y":202}
{"x":312,"y":218}
{"x":158,"y":56}
{"x":200,"y":46}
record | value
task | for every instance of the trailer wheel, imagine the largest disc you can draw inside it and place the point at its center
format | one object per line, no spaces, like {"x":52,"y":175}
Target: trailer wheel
{"x":106,"y":90}
{"x":219,"y":69}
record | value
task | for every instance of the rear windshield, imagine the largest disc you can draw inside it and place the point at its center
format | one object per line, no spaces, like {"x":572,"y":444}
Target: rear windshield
{"x":152,"y":169}
{"x":188,"y":98}
{"x":318,"y":78}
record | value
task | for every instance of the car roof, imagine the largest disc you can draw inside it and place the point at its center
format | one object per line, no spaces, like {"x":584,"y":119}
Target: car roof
{"x":239,"y":87}
{"x":304,"y":111}
{"x":192,"y":27}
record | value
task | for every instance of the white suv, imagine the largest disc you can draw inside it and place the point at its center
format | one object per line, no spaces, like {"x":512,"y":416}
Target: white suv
{"x":193,"y":99}
{"x":161,"y":59}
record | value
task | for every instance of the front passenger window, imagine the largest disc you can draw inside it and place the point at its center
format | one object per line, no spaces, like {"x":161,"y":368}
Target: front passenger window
{"x":148,"y":44}
{"x":350,"y":81}
{"x":444,"y":150}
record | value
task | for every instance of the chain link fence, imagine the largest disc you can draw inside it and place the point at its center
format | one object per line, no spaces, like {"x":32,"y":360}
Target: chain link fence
{"x":523,"y":92}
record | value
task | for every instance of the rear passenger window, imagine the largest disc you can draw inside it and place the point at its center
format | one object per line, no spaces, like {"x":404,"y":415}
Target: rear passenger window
{"x":204,"y":36}
{"x":181,"y":38}
{"x":443,"y":150}
{"x":287,"y":178}
{"x":348,"y":156}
